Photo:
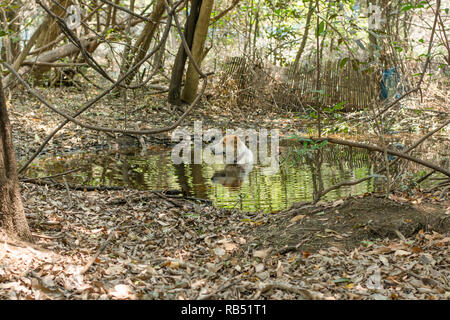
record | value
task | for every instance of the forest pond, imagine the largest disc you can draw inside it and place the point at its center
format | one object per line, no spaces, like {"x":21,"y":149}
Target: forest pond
{"x":258,"y":191}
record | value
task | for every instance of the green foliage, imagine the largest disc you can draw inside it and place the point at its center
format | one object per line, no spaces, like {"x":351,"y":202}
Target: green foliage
{"x":410,"y":6}
{"x":308,"y":146}
{"x":321,"y":29}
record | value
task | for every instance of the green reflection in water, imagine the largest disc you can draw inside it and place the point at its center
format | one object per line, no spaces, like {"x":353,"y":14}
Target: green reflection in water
{"x":258,"y":192}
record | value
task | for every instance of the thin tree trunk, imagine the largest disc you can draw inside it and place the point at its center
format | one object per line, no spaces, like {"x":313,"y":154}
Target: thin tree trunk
{"x":174,"y":95}
{"x":143,"y":43}
{"x":305,"y":37}
{"x":12,"y":216}
{"x":126,"y":51}
{"x":23,"y":54}
{"x":201,"y":30}
{"x":52,"y":30}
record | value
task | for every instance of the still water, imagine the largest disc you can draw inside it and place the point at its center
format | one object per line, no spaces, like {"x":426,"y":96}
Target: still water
{"x":261,"y":190}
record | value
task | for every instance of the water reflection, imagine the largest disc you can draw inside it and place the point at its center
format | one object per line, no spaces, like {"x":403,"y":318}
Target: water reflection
{"x":249,"y":189}
{"x":232,"y":176}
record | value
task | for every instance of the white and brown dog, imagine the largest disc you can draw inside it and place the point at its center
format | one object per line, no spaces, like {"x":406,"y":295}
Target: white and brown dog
{"x":237,"y":168}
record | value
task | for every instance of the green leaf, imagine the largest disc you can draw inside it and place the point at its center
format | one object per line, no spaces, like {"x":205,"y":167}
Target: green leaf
{"x":339,"y":106}
{"x":407,"y":7}
{"x":334,"y":15}
{"x":366,"y":243}
{"x":343,"y":62}
{"x":360,"y":44}
{"x":321,"y":28}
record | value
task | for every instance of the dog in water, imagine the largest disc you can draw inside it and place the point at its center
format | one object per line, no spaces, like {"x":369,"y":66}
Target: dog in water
{"x":237,"y":168}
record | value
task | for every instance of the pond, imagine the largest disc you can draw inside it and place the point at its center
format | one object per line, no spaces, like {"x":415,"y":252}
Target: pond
{"x":260,"y":190}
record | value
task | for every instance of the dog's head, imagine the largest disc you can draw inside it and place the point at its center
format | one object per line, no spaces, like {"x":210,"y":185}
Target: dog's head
{"x":235,"y":151}
{"x":230,"y":142}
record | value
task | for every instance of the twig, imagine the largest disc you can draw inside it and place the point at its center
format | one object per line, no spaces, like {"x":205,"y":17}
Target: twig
{"x":224,"y":12}
{"x":60,"y":235}
{"x":190,"y":198}
{"x":99,"y":251}
{"x":392,"y":152}
{"x":49,"y":177}
{"x":425,"y":177}
{"x":306,"y":294}
{"x":221,"y":288}
{"x":400,"y":235}
{"x":168,"y":200}
{"x":53,"y":65}
{"x":75,"y":187}
{"x":68,"y":194}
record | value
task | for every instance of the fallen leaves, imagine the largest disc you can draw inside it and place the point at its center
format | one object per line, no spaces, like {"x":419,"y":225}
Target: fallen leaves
{"x":262,"y":253}
{"x":161,"y":253}
{"x":297,"y":218}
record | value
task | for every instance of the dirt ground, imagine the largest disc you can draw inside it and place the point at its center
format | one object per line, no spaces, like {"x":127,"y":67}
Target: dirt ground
{"x":345,"y":224}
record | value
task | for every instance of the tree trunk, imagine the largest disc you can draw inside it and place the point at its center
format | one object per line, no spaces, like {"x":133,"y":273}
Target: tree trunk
{"x":305,"y":37}
{"x":11,"y":47}
{"x":52,"y":30}
{"x":198,"y":44}
{"x":373,"y":42}
{"x":180,"y":60}
{"x":47,"y":31}
{"x":142,"y":44}
{"x":12,"y":216}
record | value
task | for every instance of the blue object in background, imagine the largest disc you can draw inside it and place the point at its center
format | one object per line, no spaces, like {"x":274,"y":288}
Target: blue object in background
{"x":397,"y":145}
{"x":389,"y":81}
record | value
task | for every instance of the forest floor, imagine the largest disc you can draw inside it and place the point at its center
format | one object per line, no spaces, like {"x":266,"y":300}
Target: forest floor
{"x":128,"y":244}
{"x":161,"y":247}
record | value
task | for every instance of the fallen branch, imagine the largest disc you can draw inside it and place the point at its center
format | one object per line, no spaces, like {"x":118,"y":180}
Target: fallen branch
{"x":43,"y":236}
{"x":54,"y":65}
{"x":49,"y":177}
{"x":74,"y":187}
{"x":415,"y":145}
{"x":425,"y":177}
{"x":306,"y":294}
{"x":389,"y":151}
{"x":99,"y":251}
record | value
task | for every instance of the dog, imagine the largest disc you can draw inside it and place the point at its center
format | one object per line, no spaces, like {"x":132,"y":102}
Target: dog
{"x":241,"y":164}
{"x":235,"y":147}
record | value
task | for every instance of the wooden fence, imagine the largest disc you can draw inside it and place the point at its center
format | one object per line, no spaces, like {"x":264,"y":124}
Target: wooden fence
{"x":296,"y":91}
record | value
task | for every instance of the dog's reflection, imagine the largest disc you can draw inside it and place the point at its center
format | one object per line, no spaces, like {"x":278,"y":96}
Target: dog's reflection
{"x":233,"y":175}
